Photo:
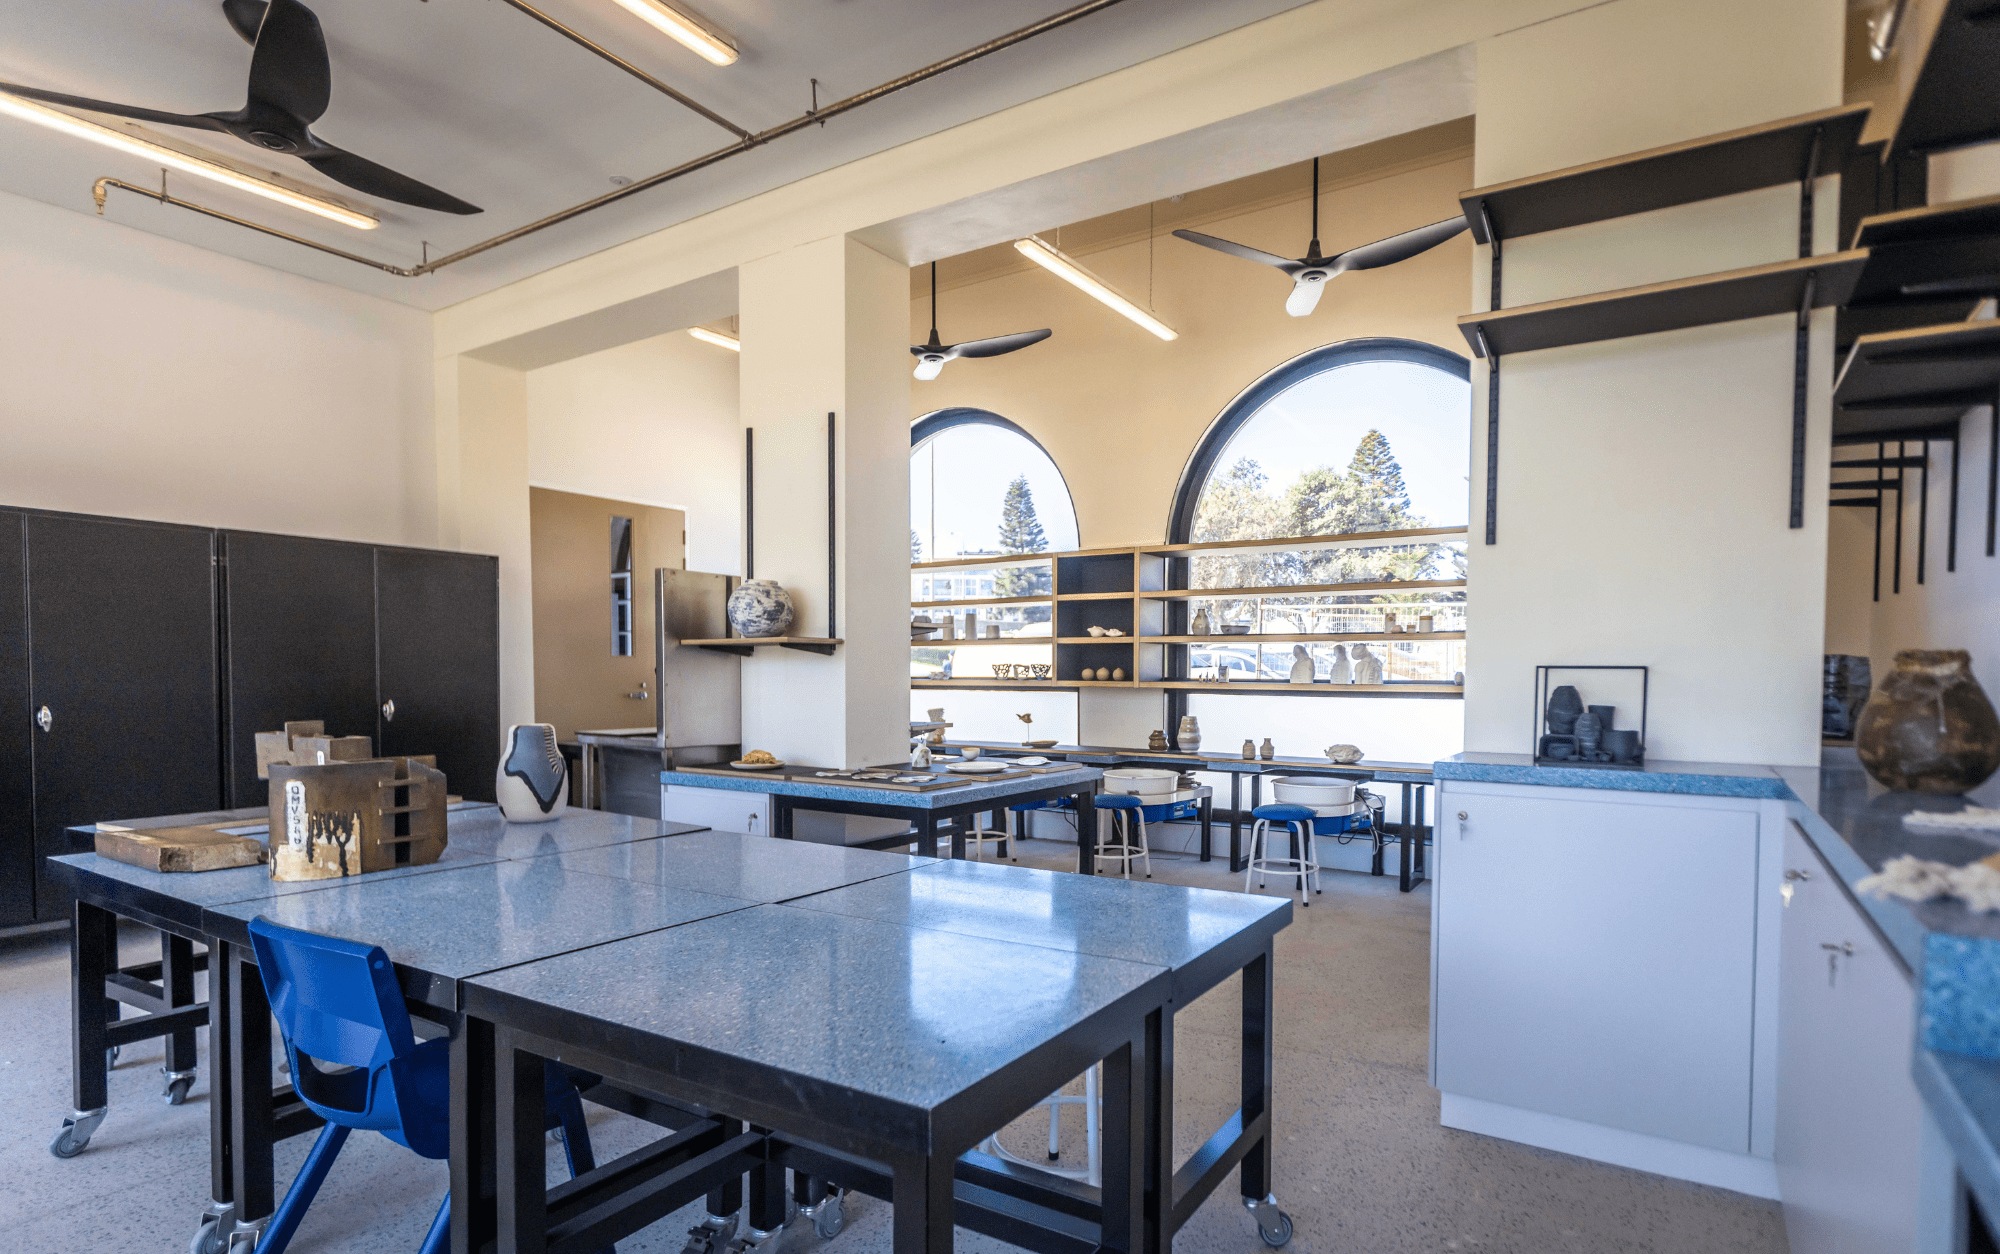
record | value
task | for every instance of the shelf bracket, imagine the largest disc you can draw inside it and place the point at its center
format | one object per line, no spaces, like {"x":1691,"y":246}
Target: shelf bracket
{"x":1992,"y":470}
{"x":1801,"y":357}
{"x":1492,"y":436}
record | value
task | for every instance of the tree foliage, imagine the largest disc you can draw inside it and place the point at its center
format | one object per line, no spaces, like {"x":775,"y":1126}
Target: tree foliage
{"x":1021,"y":532}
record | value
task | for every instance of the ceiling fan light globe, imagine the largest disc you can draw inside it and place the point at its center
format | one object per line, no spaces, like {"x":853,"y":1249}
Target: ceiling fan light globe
{"x":930,"y":365}
{"x":1305,"y":294}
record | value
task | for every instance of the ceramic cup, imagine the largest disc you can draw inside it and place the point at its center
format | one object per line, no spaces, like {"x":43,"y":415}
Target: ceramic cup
{"x":1560,"y":752}
{"x":970,"y":753}
{"x":1622,"y":744}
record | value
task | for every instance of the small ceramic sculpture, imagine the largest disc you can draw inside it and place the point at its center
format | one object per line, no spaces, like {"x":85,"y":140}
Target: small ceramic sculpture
{"x":1589,"y":729}
{"x":1249,"y":750}
{"x":1199,"y":627}
{"x":1103,"y":672}
{"x":1564,"y":706}
{"x":1188,"y":736}
{"x":1340,"y":672}
{"x":532,"y":783}
{"x":920,"y":754}
{"x":1093,"y":631}
{"x":1343,"y":755}
{"x":760,"y":607}
{"x":1113,"y":631}
{"x":1302,"y":665}
{"x":1424,"y":622}
{"x":1117,"y":672}
{"x":1157,"y":742}
{"x":1269,"y":751}
{"x":1367,"y":667}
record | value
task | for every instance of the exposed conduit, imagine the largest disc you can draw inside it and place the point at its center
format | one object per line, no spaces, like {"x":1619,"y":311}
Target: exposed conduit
{"x":749,"y":141}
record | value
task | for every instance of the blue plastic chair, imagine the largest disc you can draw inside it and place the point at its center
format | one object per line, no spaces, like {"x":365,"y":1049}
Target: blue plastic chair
{"x":356,"y":1062}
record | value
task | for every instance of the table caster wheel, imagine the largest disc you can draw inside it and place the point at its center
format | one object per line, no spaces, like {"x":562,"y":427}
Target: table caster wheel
{"x":207,"y":1238}
{"x":830,"y":1217}
{"x":711,"y":1235}
{"x":1277,"y":1237}
{"x":1273,"y":1225}
{"x":74,"y":1136}
{"x":178,"y":1084}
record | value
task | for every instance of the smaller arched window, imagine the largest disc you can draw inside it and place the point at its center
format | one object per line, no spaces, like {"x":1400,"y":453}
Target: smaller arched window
{"x":980,"y":485}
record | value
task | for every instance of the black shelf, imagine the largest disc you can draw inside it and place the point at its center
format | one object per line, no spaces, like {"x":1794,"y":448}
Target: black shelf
{"x":1957,"y":219}
{"x":1952,"y":104}
{"x":1907,"y":367}
{"x":1660,"y":178}
{"x":1732,"y":295}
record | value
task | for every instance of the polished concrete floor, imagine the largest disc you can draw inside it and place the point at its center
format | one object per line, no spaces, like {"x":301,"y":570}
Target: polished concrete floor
{"x":1362,"y":1164}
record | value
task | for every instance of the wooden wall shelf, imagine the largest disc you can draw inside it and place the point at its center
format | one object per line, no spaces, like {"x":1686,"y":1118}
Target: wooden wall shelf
{"x":1951,"y":103}
{"x":1730,"y":296}
{"x":746,"y":645}
{"x":1660,"y":178}
{"x":1299,"y":590}
{"x":1308,"y":638}
{"x":1957,"y":219}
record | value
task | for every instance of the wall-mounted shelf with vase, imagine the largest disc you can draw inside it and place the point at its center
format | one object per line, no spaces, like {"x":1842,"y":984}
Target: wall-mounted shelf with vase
{"x":746,"y":645}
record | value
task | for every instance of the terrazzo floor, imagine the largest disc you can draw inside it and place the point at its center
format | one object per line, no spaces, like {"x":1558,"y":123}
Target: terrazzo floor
{"x":1362,"y":1164}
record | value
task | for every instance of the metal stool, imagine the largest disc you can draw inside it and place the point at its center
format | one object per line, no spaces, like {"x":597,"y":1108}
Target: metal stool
{"x":977,"y":834}
{"x":1305,"y":865}
{"x":1125,"y":809}
{"x":1092,"y":1172}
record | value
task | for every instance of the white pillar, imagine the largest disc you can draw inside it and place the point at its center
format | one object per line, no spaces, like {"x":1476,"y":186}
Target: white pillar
{"x":824,"y":329}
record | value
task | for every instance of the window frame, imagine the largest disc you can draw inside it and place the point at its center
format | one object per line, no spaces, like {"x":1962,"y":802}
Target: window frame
{"x":939,"y":421}
{"x":1246,"y":404}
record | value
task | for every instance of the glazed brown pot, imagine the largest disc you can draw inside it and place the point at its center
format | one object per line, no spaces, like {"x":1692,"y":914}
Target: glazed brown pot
{"x":1928,"y":726}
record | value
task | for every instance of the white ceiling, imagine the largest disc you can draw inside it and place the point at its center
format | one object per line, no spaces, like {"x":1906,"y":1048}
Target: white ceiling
{"x":482,"y":102}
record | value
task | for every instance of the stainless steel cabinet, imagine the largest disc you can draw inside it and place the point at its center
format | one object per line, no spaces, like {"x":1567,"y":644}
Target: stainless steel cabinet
{"x":1849,"y":1117}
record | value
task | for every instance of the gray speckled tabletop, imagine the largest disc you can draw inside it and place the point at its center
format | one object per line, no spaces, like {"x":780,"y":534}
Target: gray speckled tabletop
{"x":245,"y":883}
{"x":755,"y":868}
{"x":1707,"y":779}
{"x":443,"y":927}
{"x":1161,"y":925}
{"x":485,"y":831}
{"x":973,"y":793}
{"x":893,"y":1020}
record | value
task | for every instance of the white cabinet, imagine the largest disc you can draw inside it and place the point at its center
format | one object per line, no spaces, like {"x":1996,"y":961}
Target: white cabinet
{"x":1595,"y":972}
{"x":724,"y":809}
{"x":1849,"y":1116}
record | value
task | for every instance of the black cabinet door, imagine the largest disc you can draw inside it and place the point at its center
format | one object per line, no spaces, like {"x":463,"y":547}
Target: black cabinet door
{"x":437,"y":662}
{"x":122,"y":646}
{"x":301,"y":643}
{"x":17,"y":746}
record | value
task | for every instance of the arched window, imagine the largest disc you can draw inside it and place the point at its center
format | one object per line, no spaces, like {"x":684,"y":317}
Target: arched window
{"x":979,"y":485}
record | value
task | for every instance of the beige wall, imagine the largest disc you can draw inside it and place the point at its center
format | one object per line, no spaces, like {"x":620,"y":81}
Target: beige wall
{"x":146,"y":378}
{"x":1119,"y":411}
{"x":579,"y":682}
{"x":1644,"y":483}
{"x":653,"y":422}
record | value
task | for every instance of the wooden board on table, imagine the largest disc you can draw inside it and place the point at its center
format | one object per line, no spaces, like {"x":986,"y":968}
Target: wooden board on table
{"x":202,"y":847}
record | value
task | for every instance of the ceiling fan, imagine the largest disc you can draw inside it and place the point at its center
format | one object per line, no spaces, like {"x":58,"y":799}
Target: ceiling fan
{"x":291,"y":83}
{"x":931,"y":357}
{"x":1310,"y":272}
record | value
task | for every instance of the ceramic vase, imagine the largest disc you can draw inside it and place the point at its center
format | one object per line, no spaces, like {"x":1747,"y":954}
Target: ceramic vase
{"x":1589,"y":730}
{"x":1188,"y":736}
{"x":532,"y":781}
{"x":760,"y":607}
{"x":1268,"y":751}
{"x":1564,"y":706}
{"x":1928,"y":726}
{"x":1199,"y":627}
{"x":1157,"y":742}
{"x":1249,"y":750}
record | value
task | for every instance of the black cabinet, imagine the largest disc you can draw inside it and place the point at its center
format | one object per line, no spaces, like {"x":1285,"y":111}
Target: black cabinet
{"x":122,"y":640}
{"x":17,"y":793}
{"x":437,"y":660}
{"x":300,"y":624}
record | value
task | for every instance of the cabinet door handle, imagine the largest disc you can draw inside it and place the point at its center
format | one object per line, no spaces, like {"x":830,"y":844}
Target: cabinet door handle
{"x":44,"y":719}
{"x":1798,"y":875}
{"x":389,"y":711}
{"x":1462,"y":817}
{"x":1792,"y":879}
{"x":1834,"y":953}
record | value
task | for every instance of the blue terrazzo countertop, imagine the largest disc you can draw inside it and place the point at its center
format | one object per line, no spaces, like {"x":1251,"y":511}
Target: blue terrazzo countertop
{"x":787,"y":786}
{"x":1857,"y":826}
{"x":755,"y":868}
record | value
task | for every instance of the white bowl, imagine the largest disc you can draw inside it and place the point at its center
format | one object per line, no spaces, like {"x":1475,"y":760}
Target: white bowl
{"x":1308,"y":791}
{"x":1140,"y":781}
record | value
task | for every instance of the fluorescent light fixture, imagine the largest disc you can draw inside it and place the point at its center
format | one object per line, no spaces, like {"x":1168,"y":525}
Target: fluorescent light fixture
{"x":1066,"y":268}
{"x":677,"y":25}
{"x":69,"y":124}
{"x":716,"y":338}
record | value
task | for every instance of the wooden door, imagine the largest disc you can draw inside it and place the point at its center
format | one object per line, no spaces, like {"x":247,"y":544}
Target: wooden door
{"x":1849,"y":1116}
{"x":17,"y":775}
{"x":122,"y":655}
{"x":301,"y":643}
{"x":437,"y":662}
{"x":1596,"y":959}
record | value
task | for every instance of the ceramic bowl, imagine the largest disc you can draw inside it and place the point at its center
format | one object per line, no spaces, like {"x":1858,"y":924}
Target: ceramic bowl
{"x":1233,"y":629}
{"x":1038,"y":744}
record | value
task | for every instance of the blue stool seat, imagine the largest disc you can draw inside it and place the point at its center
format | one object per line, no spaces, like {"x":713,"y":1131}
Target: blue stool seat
{"x":1118,"y":801}
{"x":1026,"y":806}
{"x":1284,"y":812}
{"x":338,"y":1006}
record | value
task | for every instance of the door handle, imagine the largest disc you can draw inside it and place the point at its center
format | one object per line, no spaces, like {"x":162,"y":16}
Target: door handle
{"x":1462,"y":818}
{"x":44,"y":719}
{"x":1792,"y":880}
{"x":389,"y":711}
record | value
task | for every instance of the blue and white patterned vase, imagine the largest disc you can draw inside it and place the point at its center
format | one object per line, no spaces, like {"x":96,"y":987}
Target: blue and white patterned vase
{"x":760,"y":607}
{"x":532,"y":784}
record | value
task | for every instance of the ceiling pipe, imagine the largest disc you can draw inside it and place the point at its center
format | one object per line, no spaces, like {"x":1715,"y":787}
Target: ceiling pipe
{"x":748,"y":142}
{"x":578,"y":38}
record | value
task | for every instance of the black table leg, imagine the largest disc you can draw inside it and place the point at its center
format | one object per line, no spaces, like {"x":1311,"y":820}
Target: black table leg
{"x":473,"y":1138}
{"x":520,"y":1148}
{"x":1127,"y":1161}
{"x":1157,"y":1235}
{"x":1207,"y":812}
{"x":93,"y":955}
{"x":781,"y":816}
{"x":251,"y":1129}
{"x":177,"y":983}
{"x":222,"y":975}
{"x":1257,"y":1032}
{"x":922,"y":1197}
{"x":1236,"y":863}
{"x":1086,"y":831}
{"x":928,"y":826}
{"x":767,"y":1198}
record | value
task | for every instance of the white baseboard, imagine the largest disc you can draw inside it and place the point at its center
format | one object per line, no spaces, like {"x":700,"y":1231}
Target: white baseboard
{"x":1741,"y":1172}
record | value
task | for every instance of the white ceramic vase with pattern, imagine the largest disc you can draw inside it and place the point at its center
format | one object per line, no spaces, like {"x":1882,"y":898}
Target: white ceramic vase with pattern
{"x":760,"y":607}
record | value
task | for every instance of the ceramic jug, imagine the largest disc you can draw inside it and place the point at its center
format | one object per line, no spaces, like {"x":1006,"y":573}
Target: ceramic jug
{"x":1928,"y":726}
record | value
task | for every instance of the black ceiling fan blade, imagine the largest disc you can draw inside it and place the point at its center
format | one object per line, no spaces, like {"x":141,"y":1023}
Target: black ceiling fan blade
{"x":105,"y":106}
{"x":1276,"y":262}
{"x":1387,"y":252}
{"x":289,"y":69}
{"x":245,"y":16}
{"x":364,"y":175}
{"x":999,"y":344}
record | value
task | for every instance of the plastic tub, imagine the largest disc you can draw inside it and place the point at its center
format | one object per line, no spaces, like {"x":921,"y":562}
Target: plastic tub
{"x":1140,"y":781}
{"x":1312,"y":791}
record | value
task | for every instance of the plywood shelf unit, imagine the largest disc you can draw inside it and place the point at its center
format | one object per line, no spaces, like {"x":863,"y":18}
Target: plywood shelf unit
{"x":1789,"y":150}
{"x":1127,"y":589}
{"x":1950,"y":102}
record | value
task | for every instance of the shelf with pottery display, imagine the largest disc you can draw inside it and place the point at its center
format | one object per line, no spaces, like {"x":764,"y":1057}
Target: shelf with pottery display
{"x":745,"y":645}
{"x":1318,"y":688}
{"x":1299,"y":590}
{"x":977,"y":602}
{"x":1306,"y":637}
{"x":1292,"y":544}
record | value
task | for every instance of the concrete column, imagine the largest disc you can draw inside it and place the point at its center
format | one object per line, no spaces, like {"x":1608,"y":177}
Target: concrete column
{"x":824,"y":329}
{"x":1644,"y":483}
{"x":482,"y":492}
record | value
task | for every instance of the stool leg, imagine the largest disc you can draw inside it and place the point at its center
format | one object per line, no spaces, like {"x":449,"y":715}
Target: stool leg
{"x":1145,"y":847}
{"x":1256,"y":844}
{"x":1125,"y":842}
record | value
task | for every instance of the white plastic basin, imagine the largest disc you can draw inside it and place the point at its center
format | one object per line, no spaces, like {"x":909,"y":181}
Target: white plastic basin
{"x":1140,"y":781}
{"x":1308,"y":791}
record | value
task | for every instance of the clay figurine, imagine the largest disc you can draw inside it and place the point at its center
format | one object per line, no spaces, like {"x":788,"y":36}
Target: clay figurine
{"x":1302,"y":665}
{"x":1340,"y":672}
{"x":1367,"y":667}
